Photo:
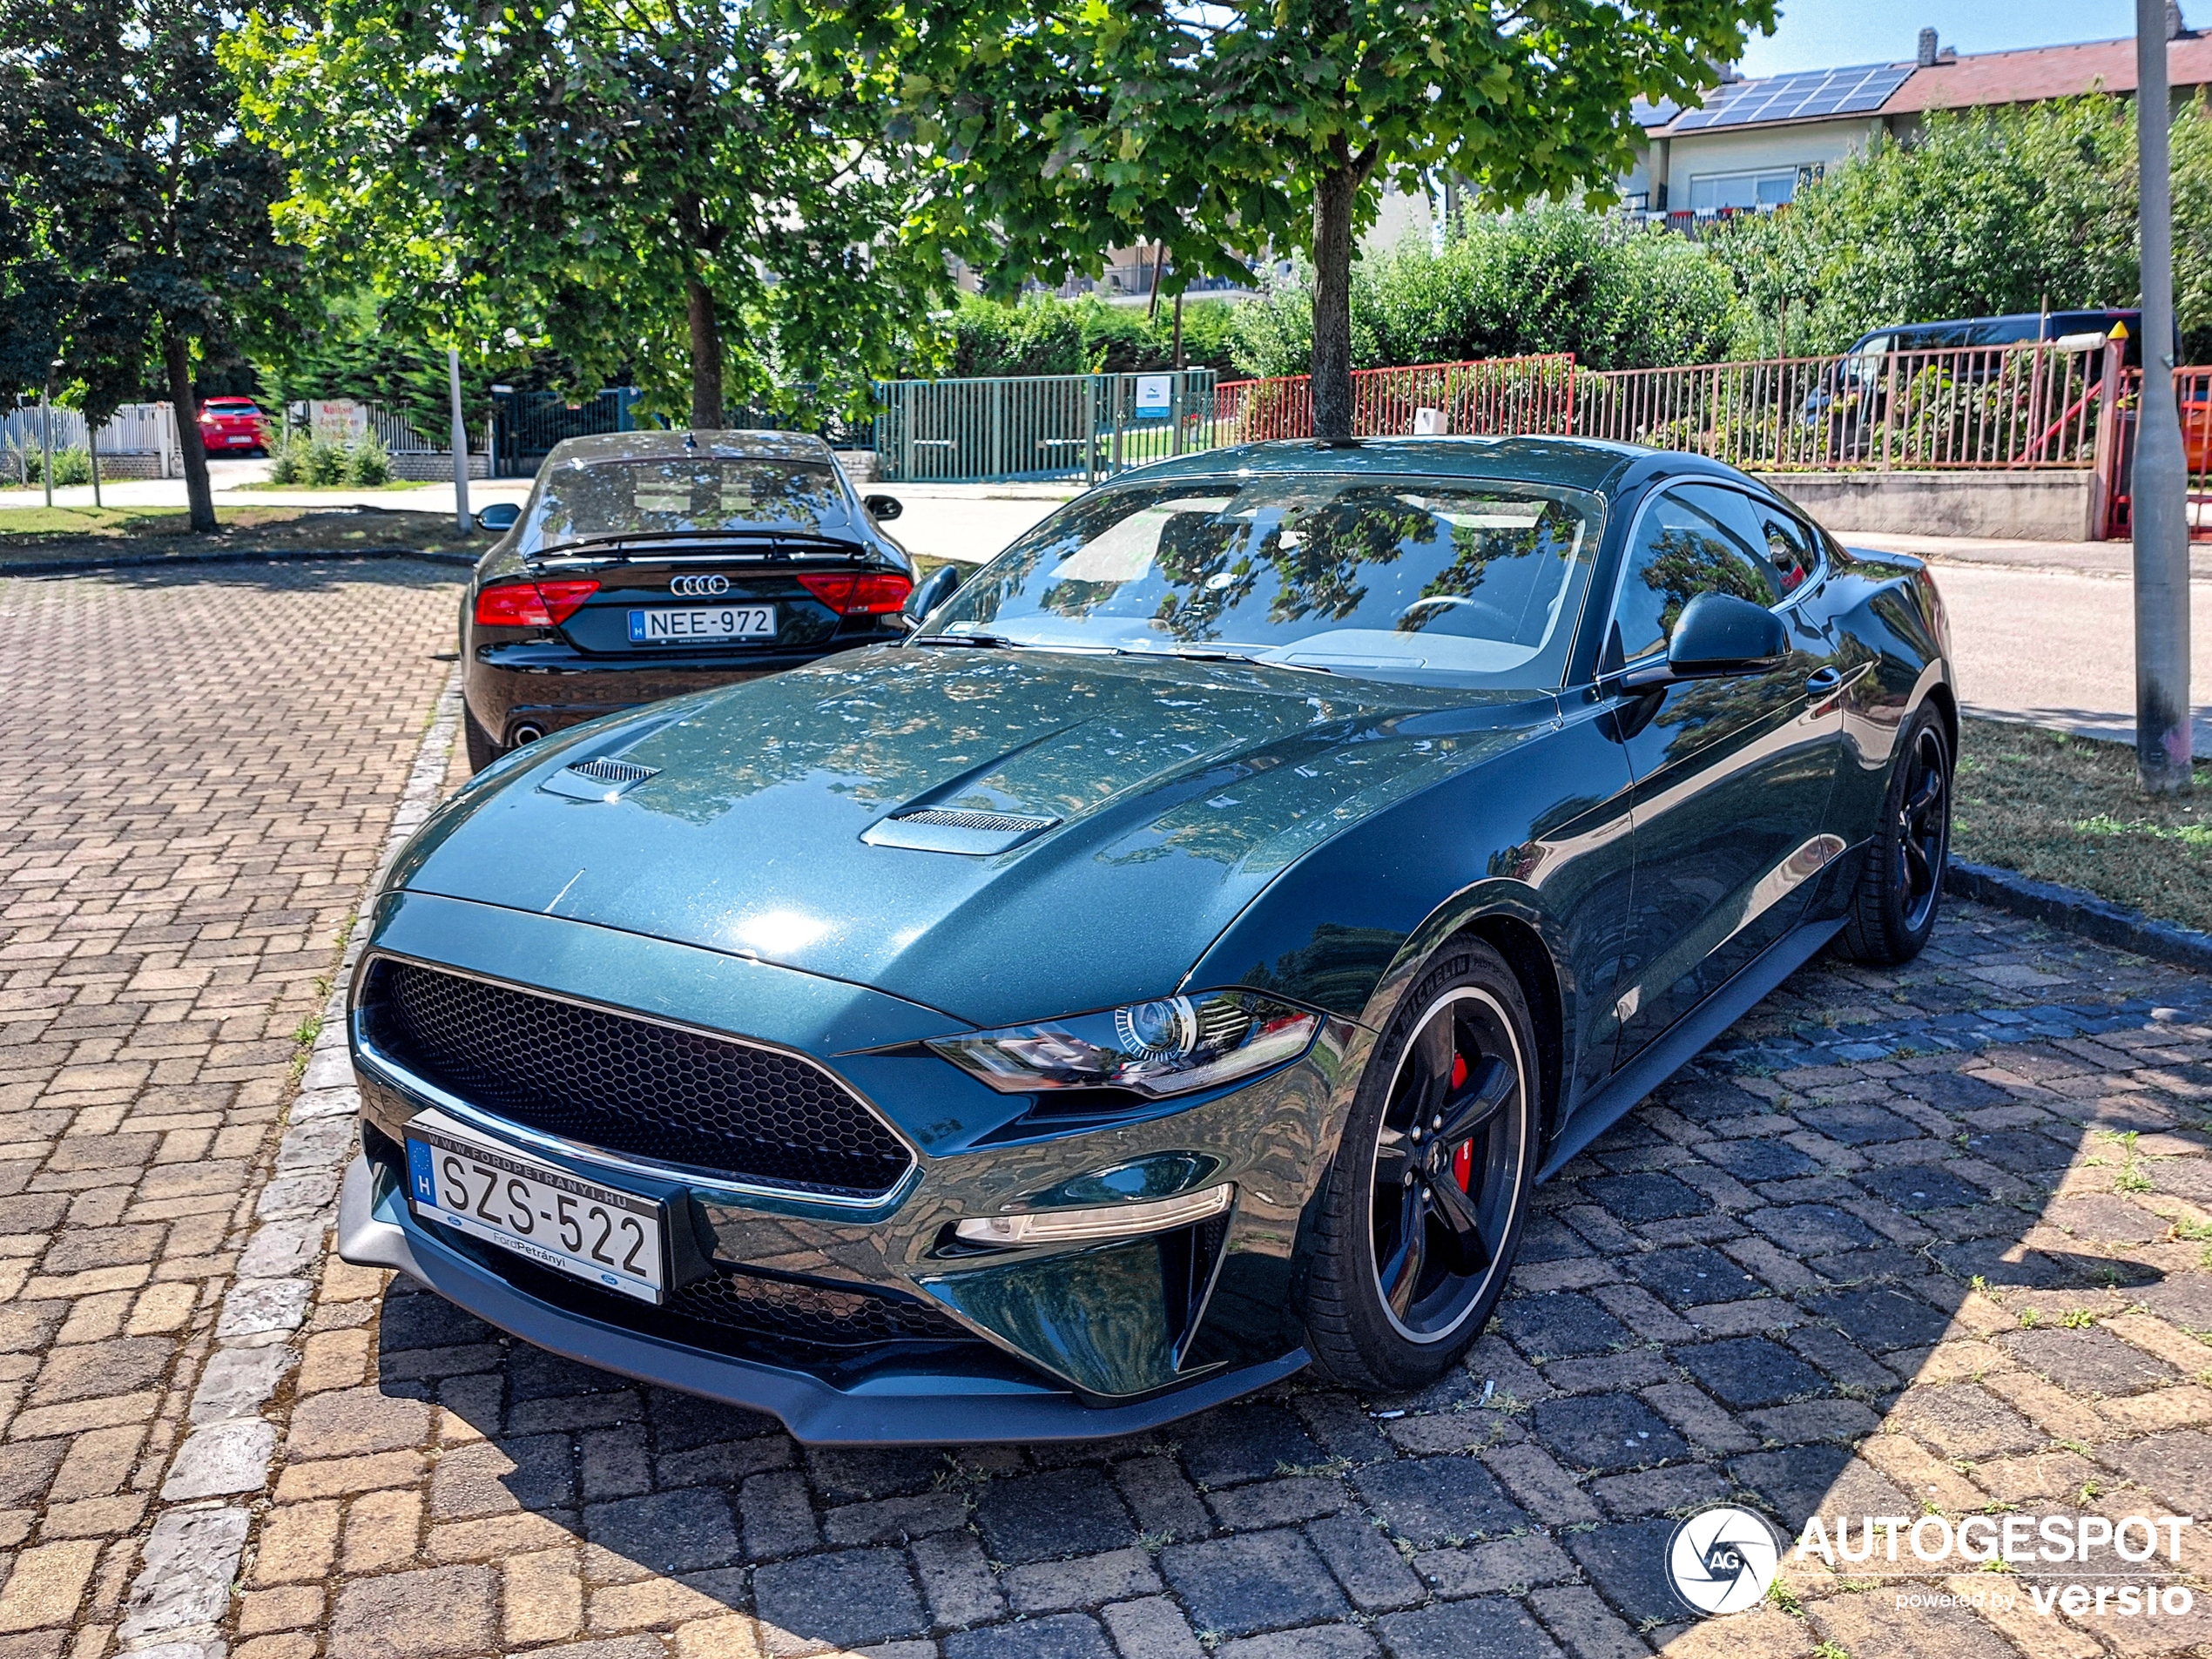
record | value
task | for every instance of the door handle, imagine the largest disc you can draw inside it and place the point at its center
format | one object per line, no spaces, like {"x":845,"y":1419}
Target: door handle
{"x":1825,"y":681}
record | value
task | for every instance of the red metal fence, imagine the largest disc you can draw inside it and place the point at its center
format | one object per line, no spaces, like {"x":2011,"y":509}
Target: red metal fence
{"x":2116,"y":457}
{"x":1983,"y":407}
{"x":2031,"y":406}
{"x":1493,"y":397}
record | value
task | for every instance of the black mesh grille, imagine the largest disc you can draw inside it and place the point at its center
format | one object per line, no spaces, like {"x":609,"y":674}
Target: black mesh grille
{"x":808,"y":1315}
{"x":628,"y":1085}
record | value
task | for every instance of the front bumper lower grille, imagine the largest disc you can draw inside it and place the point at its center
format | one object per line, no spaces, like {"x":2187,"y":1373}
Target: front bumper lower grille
{"x":630,"y":1085}
{"x":810,"y":1319}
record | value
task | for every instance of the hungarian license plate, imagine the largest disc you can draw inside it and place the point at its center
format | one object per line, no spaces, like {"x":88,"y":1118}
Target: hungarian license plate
{"x":669,"y":625}
{"x":479,"y":1186}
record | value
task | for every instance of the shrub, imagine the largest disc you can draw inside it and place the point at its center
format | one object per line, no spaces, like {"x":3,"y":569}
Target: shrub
{"x":368,"y":465}
{"x":287,"y":458}
{"x":71,"y":466}
{"x":322,"y":464}
{"x":1044,"y":334}
{"x":1550,"y":280}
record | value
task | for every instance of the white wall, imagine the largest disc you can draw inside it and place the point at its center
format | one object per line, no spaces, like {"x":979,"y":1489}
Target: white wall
{"x":1736,"y":150}
{"x":1396,"y":217}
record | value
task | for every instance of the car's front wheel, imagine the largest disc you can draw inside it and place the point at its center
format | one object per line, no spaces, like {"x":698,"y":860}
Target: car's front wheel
{"x":1429,"y":1189}
{"x":1901,"y":888}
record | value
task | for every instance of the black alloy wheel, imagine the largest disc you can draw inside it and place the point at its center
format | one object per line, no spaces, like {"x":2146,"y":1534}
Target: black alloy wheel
{"x":1923,"y":828}
{"x":1900,"y":887}
{"x":1429,"y":1189}
{"x":1446,"y":1166}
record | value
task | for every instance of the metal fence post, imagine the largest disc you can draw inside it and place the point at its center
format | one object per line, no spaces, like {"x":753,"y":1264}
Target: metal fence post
{"x":2105,"y":509}
{"x":1090,"y":429}
{"x":1889,"y":404}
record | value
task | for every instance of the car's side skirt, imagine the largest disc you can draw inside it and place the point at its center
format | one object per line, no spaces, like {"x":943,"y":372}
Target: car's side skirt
{"x":1671,"y":1053}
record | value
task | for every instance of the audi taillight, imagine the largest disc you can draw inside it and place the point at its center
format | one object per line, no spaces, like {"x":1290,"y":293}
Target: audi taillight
{"x":531,"y":604}
{"x":864,"y":593}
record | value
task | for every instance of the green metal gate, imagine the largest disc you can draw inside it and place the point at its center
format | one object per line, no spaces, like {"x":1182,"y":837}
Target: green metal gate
{"x":1044,"y":427}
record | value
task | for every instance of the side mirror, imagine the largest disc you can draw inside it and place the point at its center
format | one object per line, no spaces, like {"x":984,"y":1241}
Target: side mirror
{"x":499,"y":517}
{"x":930,"y":592}
{"x":884,"y":507}
{"x":1716,"y":636}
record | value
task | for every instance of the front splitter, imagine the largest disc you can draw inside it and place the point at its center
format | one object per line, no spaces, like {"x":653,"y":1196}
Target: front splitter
{"x":907,"y":1409}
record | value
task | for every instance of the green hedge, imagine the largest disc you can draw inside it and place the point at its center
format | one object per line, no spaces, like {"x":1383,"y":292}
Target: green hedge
{"x":1551,"y":280}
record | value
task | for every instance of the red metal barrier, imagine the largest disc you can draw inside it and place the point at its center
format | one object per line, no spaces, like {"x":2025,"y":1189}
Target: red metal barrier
{"x":1492,"y":397}
{"x":2116,"y":450}
{"x":1980,"y":407}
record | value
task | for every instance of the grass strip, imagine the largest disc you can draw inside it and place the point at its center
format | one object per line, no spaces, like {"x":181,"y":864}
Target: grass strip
{"x":43,"y":534}
{"x":2067,"y":809}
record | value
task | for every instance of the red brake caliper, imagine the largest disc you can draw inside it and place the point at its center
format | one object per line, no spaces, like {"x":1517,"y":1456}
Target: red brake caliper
{"x":1462,"y":1160}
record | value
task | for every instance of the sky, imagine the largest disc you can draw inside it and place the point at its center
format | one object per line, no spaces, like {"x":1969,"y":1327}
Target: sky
{"x":1829,"y":34}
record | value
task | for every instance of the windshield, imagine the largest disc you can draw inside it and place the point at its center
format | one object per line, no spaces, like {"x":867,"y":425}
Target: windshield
{"x":681,"y":494}
{"x":1442,"y":583}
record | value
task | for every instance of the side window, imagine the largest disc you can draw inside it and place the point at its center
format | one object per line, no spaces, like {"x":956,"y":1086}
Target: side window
{"x":1790,"y":548}
{"x":1693,"y":540}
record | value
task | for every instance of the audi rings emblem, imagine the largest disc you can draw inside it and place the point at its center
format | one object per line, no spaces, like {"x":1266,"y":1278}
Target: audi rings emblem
{"x":698,"y":587}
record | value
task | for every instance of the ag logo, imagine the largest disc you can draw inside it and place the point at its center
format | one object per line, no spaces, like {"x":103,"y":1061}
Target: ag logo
{"x":1722,"y":1560}
{"x":698,"y":587}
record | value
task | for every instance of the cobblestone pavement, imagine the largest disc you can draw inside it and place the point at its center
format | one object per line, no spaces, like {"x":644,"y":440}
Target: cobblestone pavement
{"x":1904,"y":1243}
{"x":201,"y":768}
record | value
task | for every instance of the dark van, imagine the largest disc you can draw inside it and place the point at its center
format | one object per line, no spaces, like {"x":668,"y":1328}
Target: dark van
{"x":1961,"y":332}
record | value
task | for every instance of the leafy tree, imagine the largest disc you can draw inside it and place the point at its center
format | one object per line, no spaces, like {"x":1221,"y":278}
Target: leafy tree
{"x":1984,"y":213}
{"x":1554,"y":279}
{"x":120,"y":131}
{"x":659,"y":185}
{"x":1066,"y":126}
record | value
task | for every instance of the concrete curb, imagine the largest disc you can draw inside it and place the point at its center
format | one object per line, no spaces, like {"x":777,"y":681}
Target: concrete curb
{"x":2081,"y":913}
{"x":281,"y":556}
{"x":193,"y":1554}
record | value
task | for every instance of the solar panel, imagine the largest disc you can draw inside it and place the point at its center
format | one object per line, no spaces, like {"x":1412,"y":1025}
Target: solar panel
{"x":1797,"y":97}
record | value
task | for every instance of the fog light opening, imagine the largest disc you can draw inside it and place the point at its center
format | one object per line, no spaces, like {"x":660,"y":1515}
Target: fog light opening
{"x":1105,"y":1221}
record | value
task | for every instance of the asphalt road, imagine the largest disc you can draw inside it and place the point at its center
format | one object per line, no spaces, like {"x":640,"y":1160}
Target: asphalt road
{"x":2045,"y":630}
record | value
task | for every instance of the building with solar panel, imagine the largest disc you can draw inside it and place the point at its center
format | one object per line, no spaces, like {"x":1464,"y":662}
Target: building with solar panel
{"x":1752,"y":144}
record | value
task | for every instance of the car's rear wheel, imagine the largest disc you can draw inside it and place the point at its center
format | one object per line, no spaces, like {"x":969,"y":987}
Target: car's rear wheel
{"x":1429,"y":1189}
{"x":1901,"y":888}
{"x":482,"y":748}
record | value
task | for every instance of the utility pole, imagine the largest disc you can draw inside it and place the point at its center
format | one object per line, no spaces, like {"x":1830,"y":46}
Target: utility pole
{"x":2158,"y":510}
{"x":461,"y":444}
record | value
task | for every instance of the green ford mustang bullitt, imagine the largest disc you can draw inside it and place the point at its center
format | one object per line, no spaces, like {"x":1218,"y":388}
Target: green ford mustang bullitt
{"x":1171,"y":965}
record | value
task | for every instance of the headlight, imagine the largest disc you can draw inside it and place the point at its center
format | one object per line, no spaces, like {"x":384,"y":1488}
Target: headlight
{"x":1168,"y":1047}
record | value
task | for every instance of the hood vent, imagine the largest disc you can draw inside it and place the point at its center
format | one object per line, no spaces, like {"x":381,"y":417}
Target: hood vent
{"x":946,"y":829}
{"x":600,"y":780}
{"x":1006,"y":823}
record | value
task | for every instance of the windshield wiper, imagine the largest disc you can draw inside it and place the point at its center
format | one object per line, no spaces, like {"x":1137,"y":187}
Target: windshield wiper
{"x":1209,"y":654}
{"x":985,"y":640}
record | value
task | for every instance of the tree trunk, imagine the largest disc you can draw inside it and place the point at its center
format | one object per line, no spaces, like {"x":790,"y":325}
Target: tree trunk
{"x":706,"y":358}
{"x":176,"y":355}
{"x":1332,"y":381}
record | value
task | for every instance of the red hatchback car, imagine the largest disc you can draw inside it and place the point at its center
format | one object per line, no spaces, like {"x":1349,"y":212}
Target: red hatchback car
{"x":233,"y":426}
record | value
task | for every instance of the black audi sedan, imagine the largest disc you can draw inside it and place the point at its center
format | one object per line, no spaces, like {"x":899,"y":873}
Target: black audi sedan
{"x":647,"y":564}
